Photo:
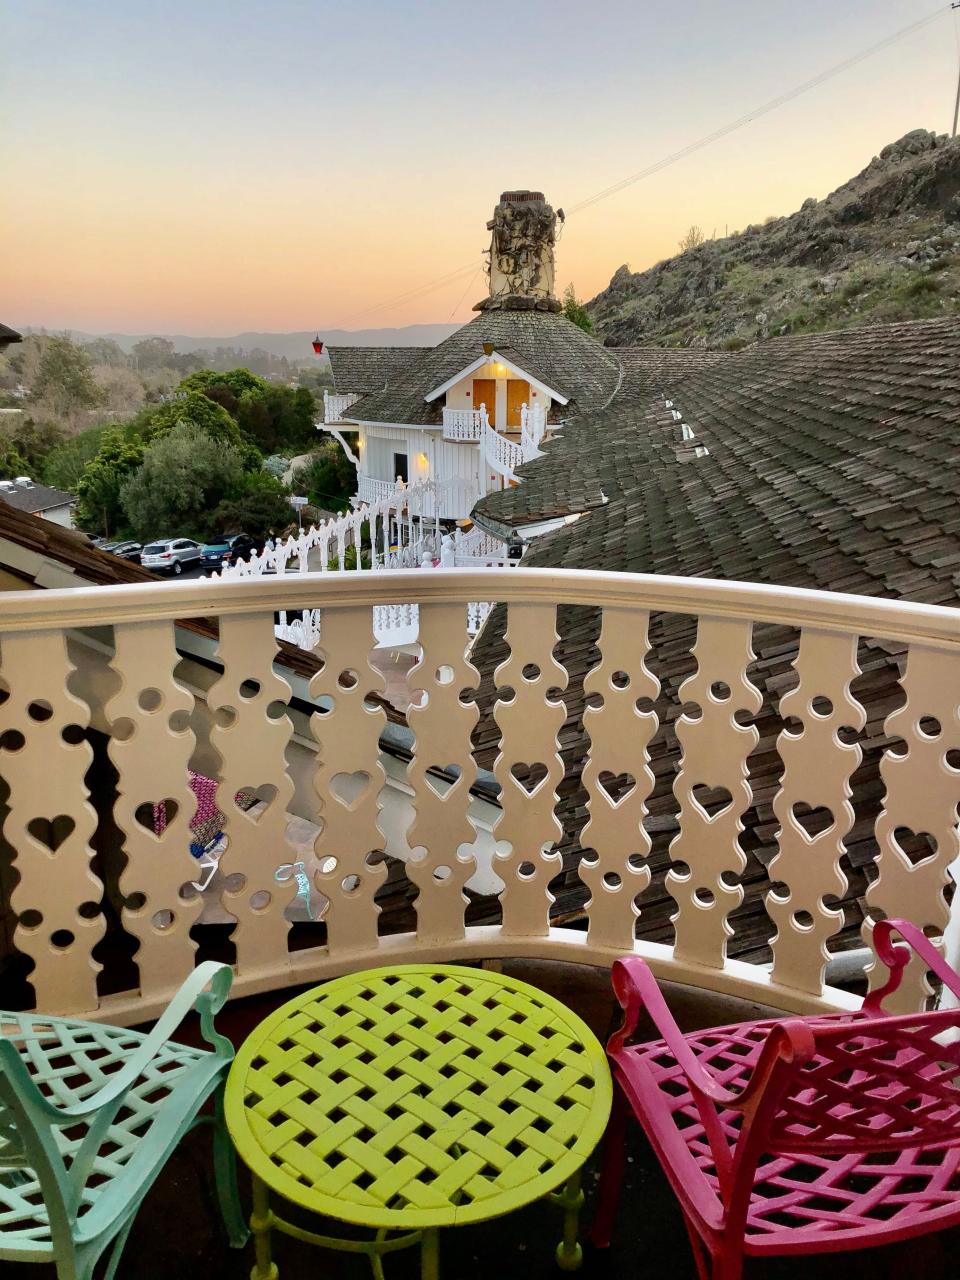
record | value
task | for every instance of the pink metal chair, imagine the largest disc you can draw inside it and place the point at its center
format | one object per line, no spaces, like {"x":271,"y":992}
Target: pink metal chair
{"x":798,"y":1136}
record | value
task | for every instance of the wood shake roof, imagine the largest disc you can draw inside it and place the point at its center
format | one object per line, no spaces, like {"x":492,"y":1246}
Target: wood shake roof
{"x":358,"y":370}
{"x":563,"y":356}
{"x":833,"y":462}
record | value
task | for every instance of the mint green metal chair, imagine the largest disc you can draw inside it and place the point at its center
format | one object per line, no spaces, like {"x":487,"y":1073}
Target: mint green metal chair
{"x":89,"y":1115}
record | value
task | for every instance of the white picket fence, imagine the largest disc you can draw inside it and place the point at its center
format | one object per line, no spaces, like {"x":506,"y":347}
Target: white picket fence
{"x":400,"y":535}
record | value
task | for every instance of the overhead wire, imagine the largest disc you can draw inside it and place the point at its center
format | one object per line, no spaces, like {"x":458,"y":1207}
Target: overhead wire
{"x":698,"y":145}
{"x":757,"y":112}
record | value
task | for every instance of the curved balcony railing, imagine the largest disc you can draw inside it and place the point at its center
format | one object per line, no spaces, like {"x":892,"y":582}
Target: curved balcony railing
{"x":111,"y":702}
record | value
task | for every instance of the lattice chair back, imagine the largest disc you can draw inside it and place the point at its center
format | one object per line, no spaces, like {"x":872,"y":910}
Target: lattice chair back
{"x":89,"y":1113}
{"x":28,"y":1140}
{"x":874,"y":1084}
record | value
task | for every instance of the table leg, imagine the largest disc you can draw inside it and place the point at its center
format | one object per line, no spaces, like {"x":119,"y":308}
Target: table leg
{"x":261,"y":1221}
{"x":430,"y":1255}
{"x":570,"y":1199}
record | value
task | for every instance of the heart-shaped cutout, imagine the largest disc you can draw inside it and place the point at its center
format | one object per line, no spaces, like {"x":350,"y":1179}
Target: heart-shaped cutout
{"x":813,"y":821}
{"x":156,"y":815}
{"x":442,"y":778}
{"x":915,"y":845}
{"x":51,"y":832}
{"x":529,"y":776}
{"x":255,"y":801}
{"x":617,"y":785}
{"x":349,"y":787}
{"x":712,"y":800}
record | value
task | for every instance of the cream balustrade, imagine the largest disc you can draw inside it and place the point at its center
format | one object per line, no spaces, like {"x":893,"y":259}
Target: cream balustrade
{"x":463,"y":424}
{"x":335,"y":406}
{"x":108,"y":675}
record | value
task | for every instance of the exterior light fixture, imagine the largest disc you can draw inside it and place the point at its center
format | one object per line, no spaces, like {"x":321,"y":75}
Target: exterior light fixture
{"x":317,"y":346}
{"x":488,"y":349}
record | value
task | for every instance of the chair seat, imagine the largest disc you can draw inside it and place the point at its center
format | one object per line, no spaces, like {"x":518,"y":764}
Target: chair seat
{"x":799,"y":1202}
{"x":70,"y":1061}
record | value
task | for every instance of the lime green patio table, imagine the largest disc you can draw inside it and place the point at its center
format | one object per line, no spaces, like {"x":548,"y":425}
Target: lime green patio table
{"x":412,"y":1098}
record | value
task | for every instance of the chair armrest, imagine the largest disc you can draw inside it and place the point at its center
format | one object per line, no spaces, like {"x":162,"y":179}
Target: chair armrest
{"x":193,"y":994}
{"x":896,"y":958}
{"x":636,"y":988}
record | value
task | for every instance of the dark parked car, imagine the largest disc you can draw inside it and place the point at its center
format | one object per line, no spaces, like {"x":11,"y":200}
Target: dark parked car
{"x":125,"y":550}
{"x":173,"y":555}
{"x":227,"y":550}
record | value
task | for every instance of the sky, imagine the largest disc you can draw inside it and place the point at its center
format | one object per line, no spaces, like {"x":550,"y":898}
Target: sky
{"x":205,"y":167}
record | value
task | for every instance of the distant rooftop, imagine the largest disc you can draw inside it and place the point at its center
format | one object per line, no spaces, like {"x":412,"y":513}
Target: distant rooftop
{"x":25,"y":495}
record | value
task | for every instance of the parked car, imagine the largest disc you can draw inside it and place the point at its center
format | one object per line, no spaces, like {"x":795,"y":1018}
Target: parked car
{"x":227,"y":550}
{"x":172,"y":555}
{"x":125,"y":550}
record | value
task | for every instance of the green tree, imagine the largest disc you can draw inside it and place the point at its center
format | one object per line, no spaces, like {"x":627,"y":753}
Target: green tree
{"x":106,"y":351}
{"x":260,"y":507}
{"x":12,"y":462}
{"x":65,"y":464}
{"x":64,"y":387}
{"x":99,"y":508}
{"x":195,"y":410}
{"x":328,"y":478}
{"x":35,"y":440}
{"x":153,"y":353}
{"x":238,"y":381}
{"x":575,"y":311}
{"x":184,"y":477}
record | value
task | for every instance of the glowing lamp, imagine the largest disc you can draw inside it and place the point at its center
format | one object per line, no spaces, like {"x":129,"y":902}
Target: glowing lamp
{"x":317,"y":346}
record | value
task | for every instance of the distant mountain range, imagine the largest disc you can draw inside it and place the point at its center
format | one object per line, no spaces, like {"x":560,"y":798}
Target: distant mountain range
{"x":295,"y":346}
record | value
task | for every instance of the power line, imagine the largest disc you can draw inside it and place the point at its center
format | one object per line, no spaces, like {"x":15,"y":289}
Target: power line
{"x":756,"y":113}
{"x":690,"y":149}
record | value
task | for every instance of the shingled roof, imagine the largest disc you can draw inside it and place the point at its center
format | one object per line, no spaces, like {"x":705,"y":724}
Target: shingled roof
{"x":8,"y":335}
{"x":833,"y":462}
{"x":579,"y":468}
{"x":34,"y":497}
{"x":561,"y":354}
{"x":357,"y":370}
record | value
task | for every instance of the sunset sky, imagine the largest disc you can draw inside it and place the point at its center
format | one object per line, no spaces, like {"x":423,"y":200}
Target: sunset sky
{"x":205,"y":167}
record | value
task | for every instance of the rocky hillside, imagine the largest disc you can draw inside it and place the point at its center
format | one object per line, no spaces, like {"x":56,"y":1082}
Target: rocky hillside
{"x":884,"y":247}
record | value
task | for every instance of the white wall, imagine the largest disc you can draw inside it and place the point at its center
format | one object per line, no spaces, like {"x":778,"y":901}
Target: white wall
{"x":62,"y":516}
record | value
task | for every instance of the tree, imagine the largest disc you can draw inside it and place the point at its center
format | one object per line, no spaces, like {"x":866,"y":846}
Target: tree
{"x":273,"y":416}
{"x":193,"y":409}
{"x":575,"y":311}
{"x":153,"y":353}
{"x":123,"y":391}
{"x":99,"y":507}
{"x":64,"y":386}
{"x":184,"y":477}
{"x":34,"y":441}
{"x":328,"y":479}
{"x":106,"y":351}
{"x":65,"y":464}
{"x":261,"y":507}
{"x":12,"y":462}
{"x":237,"y":380}
{"x":692,"y":239}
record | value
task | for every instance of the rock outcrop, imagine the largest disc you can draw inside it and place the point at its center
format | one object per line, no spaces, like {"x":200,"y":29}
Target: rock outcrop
{"x":885,"y":246}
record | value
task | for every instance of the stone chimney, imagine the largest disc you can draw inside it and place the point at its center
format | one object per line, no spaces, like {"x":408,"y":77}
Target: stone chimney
{"x":521,"y":267}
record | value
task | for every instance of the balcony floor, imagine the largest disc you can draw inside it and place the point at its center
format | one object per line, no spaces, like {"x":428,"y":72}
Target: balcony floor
{"x":177,"y":1234}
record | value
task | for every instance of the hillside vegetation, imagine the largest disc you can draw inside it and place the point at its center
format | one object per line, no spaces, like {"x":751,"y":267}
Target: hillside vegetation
{"x":883,"y":247}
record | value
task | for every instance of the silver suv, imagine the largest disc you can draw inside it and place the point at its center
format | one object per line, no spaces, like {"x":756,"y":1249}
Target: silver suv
{"x":171,"y":556}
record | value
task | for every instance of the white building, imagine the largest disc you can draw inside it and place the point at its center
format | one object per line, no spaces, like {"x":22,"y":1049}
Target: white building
{"x":468,"y":412}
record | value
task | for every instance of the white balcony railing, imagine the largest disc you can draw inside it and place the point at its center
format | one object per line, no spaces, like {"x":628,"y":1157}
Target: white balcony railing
{"x":335,"y":406}
{"x":371,"y":490}
{"x":463,"y":424}
{"x":109,"y":674}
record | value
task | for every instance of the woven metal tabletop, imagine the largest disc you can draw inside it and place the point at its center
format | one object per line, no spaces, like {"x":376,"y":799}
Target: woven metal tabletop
{"x":418,"y":1096}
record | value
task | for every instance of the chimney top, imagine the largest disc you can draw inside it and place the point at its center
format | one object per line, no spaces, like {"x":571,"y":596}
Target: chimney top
{"x":521,"y":266}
